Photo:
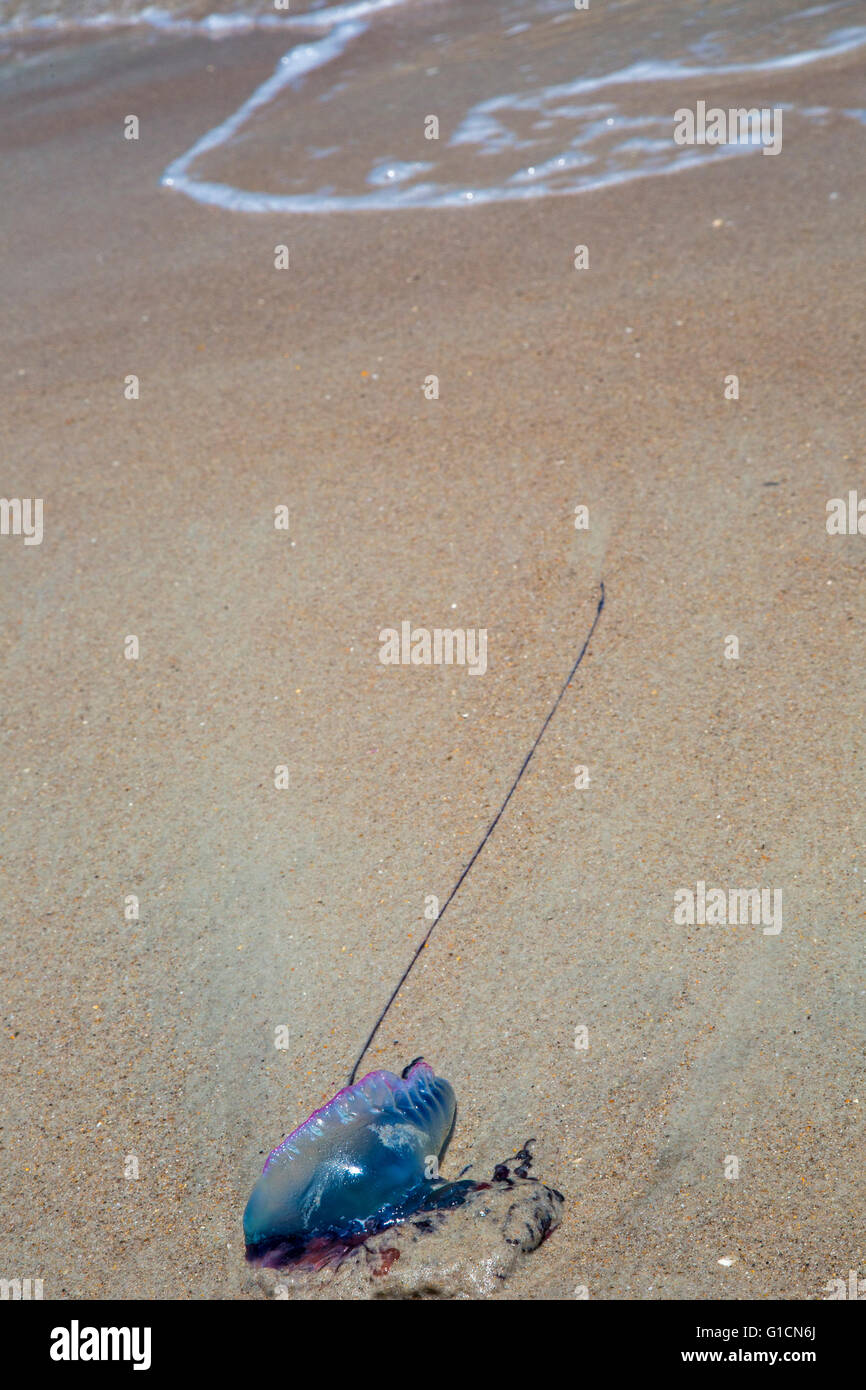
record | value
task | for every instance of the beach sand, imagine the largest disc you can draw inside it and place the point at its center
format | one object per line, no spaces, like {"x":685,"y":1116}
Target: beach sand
{"x":155,"y":1039}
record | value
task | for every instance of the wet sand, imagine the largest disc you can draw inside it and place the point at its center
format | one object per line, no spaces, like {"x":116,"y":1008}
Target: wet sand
{"x":154,"y":1039}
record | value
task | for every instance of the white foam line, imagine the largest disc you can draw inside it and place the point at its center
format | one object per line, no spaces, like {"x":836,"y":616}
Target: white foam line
{"x":213,"y":25}
{"x":425,"y":195}
{"x":841,"y":41}
{"x":299,"y":60}
{"x":338,"y":14}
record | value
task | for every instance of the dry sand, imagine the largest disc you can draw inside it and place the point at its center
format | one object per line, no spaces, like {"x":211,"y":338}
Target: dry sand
{"x":259,"y":907}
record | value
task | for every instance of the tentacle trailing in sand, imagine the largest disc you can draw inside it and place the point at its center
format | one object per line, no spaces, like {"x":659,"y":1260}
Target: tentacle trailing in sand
{"x":486,"y":836}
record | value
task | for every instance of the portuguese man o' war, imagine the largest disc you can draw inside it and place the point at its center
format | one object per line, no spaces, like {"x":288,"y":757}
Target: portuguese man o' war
{"x":367,"y":1159}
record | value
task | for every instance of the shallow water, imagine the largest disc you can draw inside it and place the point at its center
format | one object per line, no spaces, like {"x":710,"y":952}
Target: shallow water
{"x":381,"y":104}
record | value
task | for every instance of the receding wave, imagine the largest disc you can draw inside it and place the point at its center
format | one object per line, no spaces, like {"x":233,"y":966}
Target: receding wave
{"x":387,"y":104}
